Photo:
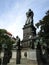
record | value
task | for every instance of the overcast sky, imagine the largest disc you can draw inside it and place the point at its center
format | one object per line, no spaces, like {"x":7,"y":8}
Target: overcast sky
{"x":13,"y":13}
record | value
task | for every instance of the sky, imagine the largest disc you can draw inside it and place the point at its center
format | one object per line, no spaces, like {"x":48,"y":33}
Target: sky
{"x":13,"y":14}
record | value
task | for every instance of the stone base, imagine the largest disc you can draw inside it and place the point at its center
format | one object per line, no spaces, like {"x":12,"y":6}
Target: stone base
{"x":31,"y":54}
{"x":23,"y":62}
{"x":29,"y":60}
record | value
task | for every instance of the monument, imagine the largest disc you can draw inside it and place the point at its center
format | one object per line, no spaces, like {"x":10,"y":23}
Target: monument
{"x":29,"y":31}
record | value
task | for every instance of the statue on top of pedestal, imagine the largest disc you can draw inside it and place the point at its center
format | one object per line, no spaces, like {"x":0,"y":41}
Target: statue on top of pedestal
{"x":29,"y":15}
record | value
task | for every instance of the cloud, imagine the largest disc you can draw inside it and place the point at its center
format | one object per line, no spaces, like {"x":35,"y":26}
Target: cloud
{"x":13,"y":15}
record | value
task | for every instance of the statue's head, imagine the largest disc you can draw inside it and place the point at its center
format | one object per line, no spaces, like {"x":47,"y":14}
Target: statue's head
{"x":16,"y":36}
{"x":29,"y":9}
{"x":29,"y":13}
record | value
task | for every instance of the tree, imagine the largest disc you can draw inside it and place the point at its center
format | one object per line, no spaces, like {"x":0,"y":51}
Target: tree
{"x":44,"y":28}
{"x":6,"y":38}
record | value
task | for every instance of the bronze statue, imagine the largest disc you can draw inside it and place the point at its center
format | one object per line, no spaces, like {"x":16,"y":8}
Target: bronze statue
{"x":18,"y":55}
{"x":29,"y":15}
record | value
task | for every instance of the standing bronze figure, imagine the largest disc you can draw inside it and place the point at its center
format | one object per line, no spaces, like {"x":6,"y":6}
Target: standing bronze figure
{"x":18,"y":55}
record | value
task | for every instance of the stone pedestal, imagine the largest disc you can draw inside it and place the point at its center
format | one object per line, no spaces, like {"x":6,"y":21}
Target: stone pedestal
{"x":29,"y":32}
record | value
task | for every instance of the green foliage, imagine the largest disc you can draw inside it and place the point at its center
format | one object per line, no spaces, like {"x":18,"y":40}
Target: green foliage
{"x":44,"y":28}
{"x":5,"y":39}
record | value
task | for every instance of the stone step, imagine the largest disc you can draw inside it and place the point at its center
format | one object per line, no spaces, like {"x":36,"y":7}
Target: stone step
{"x":23,"y":62}
{"x":27,"y":61}
{"x":20,"y":64}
